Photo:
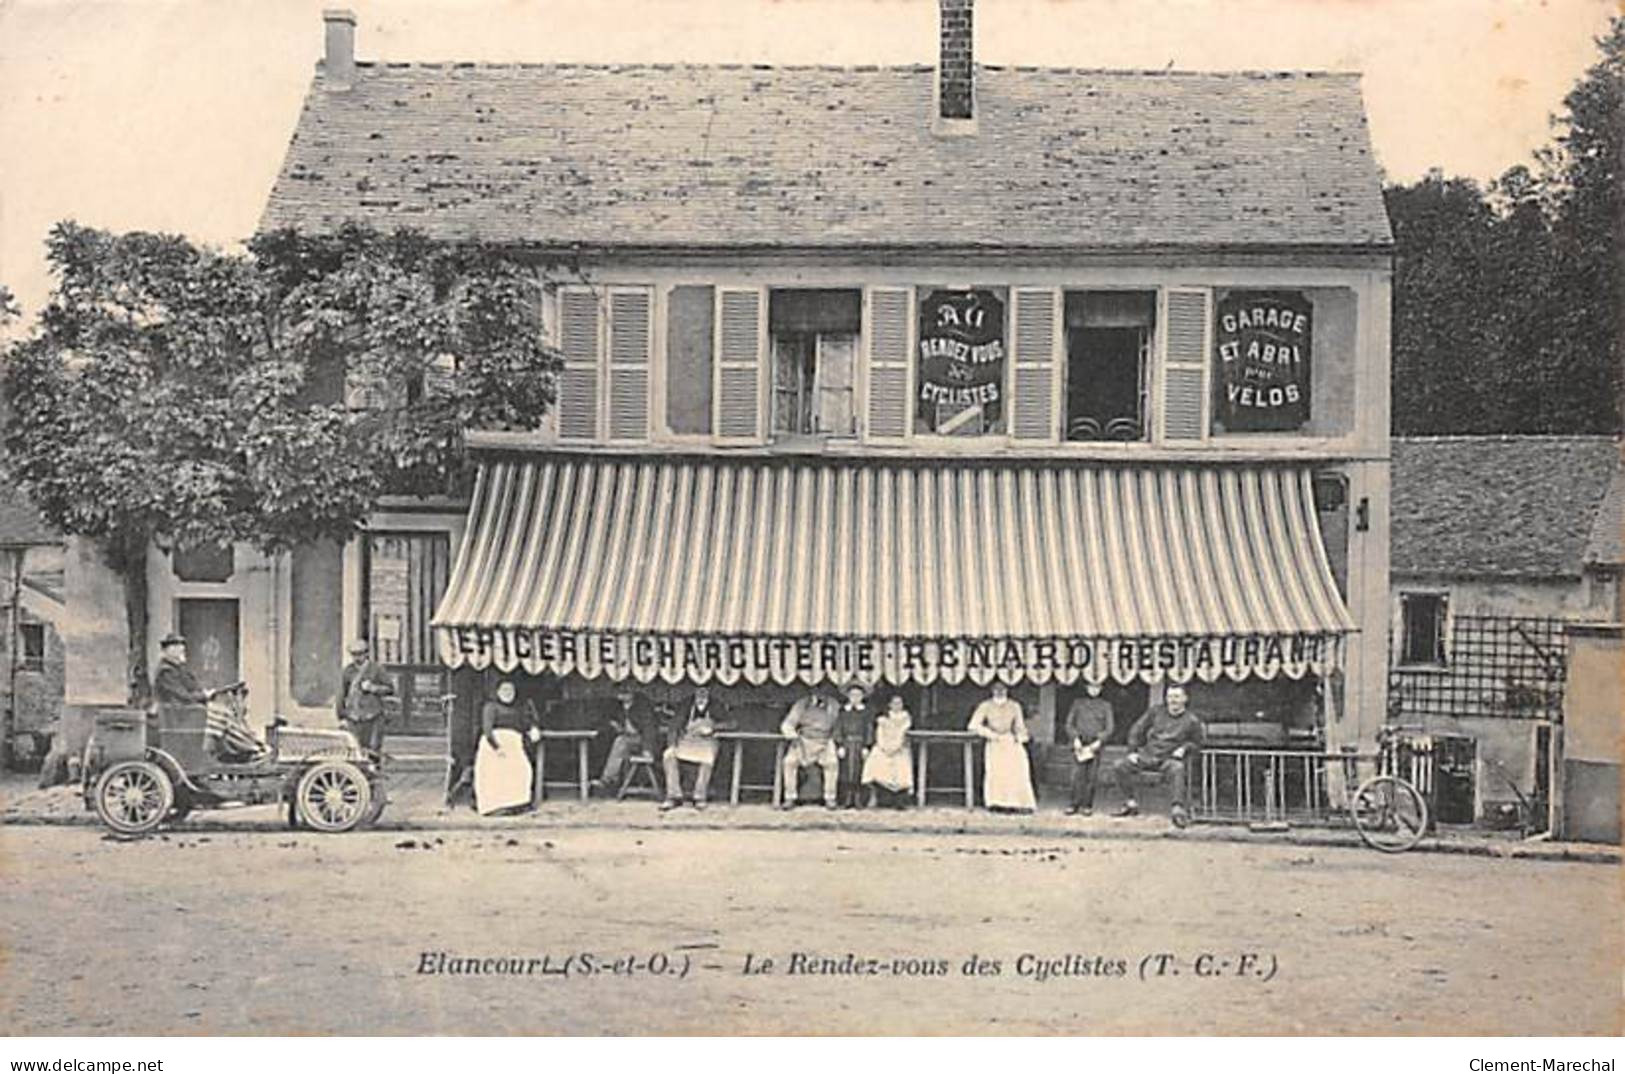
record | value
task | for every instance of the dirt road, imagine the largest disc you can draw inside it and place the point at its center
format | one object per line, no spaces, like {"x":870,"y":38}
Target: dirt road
{"x":223,"y":931}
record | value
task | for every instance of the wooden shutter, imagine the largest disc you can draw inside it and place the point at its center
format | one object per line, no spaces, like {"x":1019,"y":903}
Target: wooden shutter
{"x":578,"y":381}
{"x":740,"y":365}
{"x":887,"y":336}
{"x":1034,"y":394}
{"x":629,"y":344}
{"x":1186,"y":332}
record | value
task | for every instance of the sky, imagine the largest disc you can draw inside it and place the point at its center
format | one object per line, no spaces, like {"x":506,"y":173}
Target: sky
{"x":173,"y":115}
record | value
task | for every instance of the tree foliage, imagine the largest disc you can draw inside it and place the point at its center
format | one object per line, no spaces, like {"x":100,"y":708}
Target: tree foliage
{"x":1507,"y":300}
{"x":183,"y":395}
{"x":200,"y":397}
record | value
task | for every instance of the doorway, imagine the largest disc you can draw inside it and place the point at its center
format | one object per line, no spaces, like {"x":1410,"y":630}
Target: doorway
{"x":211,"y":627}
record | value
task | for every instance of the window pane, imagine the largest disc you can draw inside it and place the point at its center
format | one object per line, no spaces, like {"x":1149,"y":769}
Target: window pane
{"x":1108,"y":345}
{"x":837,"y":357}
{"x":1422,"y":626}
{"x":406,"y":577}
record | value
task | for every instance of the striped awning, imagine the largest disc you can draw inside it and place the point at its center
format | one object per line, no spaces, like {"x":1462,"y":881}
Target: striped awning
{"x":810,"y":570}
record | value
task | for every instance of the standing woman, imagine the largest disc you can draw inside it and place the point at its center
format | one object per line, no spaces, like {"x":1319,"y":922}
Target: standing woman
{"x":502,"y":770}
{"x":1007,"y":784}
{"x":887,"y":770}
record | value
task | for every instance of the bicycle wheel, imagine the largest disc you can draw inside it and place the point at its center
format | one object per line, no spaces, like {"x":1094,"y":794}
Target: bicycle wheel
{"x":1390,"y":814}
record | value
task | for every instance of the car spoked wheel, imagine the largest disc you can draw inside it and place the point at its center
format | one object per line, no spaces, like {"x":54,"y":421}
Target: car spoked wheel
{"x":134,"y":797}
{"x":333,"y":797}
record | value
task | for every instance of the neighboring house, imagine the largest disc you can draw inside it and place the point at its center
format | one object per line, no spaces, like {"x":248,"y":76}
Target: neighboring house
{"x":1499,"y":544}
{"x":31,"y":610}
{"x":915,"y":375}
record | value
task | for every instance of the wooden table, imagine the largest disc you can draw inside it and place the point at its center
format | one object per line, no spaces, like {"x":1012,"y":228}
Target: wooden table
{"x":582,"y":782}
{"x":742,"y":738}
{"x":923,"y":741}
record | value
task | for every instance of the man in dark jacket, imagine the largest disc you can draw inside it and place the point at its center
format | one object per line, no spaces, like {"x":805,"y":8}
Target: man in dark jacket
{"x":1089,"y":723}
{"x":633,"y":726}
{"x":364,"y":686}
{"x":1158,"y":743}
{"x":173,"y":683}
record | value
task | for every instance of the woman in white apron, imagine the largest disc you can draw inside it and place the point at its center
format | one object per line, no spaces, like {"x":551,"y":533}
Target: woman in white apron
{"x":1007,"y":784}
{"x":887,"y":770}
{"x":502,"y":769}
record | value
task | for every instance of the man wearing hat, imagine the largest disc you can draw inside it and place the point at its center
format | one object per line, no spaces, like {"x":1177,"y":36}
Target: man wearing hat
{"x":229,"y":735}
{"x":361,"y":697}
{"x":633,"y":727}
{"x":173,"y":683}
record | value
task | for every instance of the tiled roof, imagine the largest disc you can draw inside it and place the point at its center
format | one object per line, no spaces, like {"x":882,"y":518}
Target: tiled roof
{"x":1503,"y":506}
{"x":20,"y":522}
{"x":560,"y":154}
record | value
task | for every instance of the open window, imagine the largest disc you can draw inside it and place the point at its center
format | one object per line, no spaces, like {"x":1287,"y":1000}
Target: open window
{"x":1422,"y":628}
{"x":1108,"y":364}
{"x":815,"y":346}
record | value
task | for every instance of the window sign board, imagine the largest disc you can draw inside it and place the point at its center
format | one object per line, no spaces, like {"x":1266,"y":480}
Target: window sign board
{"x":1262,"y":346}
{"x":962,"y":356}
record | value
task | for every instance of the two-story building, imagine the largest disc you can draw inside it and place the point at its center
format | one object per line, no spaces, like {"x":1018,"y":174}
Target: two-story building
{"x":916,"y":376}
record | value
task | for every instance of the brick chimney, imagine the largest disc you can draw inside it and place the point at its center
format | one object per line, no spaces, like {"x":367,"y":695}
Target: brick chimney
{"x":956,"y":63}
{"x":338,"y":66}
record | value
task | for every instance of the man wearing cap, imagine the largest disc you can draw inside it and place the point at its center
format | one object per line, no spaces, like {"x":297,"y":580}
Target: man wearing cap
{"x":361,"y":697}
{"x":229,"y":736}
{"x":174,"y":683}
{"x":632,"y":724}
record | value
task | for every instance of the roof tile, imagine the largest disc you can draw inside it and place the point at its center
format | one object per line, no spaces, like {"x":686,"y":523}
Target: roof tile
{"x":1501,"y":506}
{"x":560,"y":154}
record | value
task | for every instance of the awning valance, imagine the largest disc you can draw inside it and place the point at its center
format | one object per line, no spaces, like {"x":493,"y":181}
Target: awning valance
{"x":811,"y":570}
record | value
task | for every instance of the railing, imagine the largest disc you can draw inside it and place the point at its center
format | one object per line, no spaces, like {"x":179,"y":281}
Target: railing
{"x":1278,"y":786}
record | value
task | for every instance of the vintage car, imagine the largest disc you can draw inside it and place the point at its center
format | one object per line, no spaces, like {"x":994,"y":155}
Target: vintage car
{"x":142,"y":769}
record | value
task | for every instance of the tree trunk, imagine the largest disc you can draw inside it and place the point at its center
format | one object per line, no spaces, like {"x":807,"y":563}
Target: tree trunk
{"x":128,"y":555}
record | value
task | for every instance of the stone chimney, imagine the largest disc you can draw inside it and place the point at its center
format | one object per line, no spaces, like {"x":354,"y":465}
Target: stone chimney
{"x":338,"y":66}
{"x":956,"y":63}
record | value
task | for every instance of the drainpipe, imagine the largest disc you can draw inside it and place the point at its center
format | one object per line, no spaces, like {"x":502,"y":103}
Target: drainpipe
{"x":8,"y":719}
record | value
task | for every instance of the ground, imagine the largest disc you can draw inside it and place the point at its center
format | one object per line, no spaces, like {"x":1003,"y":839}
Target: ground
{"x":231,"y":926}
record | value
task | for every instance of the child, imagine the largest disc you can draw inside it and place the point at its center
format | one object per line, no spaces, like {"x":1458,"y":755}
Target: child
{"x":887,"y":770}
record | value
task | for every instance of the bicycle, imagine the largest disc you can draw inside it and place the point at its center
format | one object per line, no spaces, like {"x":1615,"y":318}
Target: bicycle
{"x":1388,"y":812}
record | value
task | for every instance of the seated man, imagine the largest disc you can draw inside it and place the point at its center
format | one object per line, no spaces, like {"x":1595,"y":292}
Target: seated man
{"x":632,"y":725}
{"x":234,"y":740}
{"x":693,"y":741}
{"x":810,"y":727}
{"x":1158,"y":743}
{"x":227,"y":733}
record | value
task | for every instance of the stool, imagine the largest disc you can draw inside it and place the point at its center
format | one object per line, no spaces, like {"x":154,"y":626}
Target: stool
{"x":640,"y":764}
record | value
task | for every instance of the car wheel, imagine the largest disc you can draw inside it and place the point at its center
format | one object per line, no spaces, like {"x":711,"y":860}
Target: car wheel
{"x":332,"y":796}
{"x":133,"y":797}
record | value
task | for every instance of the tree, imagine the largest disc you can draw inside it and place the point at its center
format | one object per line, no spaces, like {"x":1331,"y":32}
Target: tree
{"x":1507,"y":301}
{"x":1584,"y":176}
{"x":191,"y":397}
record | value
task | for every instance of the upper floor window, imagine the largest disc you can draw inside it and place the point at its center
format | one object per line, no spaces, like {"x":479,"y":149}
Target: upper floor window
{"x":1422,"y":619}
{"x":31,"y":654}
{"x":814,"y":354}
{"x":1108,"y":364}
{"x":960,"y":380}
